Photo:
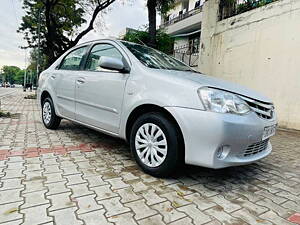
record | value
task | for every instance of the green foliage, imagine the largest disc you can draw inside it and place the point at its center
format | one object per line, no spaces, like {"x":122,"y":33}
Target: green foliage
{"x":163,"y":6}
{"x":230,"y":8}
{"x":60,"y":22}
{"x":251,"y":4}
{"x":12,"y":74}
{"x":5,"y":114}
{"x":32,"y":96}
{"x":164,"y":42}
{"x":33,"y":61}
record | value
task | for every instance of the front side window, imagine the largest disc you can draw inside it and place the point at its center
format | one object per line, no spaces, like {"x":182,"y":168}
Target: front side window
{"x":97,"y":52}
{"x":73,"y":59}
{"x":155,"y":59}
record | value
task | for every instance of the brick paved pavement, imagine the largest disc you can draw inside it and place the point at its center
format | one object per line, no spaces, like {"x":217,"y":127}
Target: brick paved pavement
{"x":78,"y":176}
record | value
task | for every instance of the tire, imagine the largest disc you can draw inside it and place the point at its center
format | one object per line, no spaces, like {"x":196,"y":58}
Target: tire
{"x":163,"y":162}
{"x":51,"y":121}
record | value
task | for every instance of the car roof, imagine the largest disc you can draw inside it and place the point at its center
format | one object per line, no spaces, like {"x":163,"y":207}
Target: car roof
{"x":96,"y":40}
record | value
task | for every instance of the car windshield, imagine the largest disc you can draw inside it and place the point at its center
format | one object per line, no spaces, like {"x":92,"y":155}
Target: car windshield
{"x":155,"y":59}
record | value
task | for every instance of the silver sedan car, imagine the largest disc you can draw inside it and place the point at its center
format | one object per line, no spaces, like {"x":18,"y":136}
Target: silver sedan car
{"x":169,"y":113}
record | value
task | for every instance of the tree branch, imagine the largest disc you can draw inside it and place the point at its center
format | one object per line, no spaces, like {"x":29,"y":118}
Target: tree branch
{"x":90,"y":27}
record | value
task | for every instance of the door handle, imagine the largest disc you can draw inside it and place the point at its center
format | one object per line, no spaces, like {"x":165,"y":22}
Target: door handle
{"x":53,"y":77}
{"x":80,"y":81}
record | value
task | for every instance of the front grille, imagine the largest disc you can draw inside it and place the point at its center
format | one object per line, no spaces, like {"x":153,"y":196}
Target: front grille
{"x":263,"y":110}
{"x":256,"y":148}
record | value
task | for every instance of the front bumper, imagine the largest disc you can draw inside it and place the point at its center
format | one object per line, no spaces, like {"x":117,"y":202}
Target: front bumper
{"x":205,"y":133}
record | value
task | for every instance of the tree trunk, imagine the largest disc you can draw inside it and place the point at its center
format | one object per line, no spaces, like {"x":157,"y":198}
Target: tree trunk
{"x":151,"y":5}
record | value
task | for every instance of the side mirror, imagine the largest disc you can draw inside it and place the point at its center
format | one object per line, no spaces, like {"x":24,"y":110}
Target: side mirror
{"x":113,"y":64}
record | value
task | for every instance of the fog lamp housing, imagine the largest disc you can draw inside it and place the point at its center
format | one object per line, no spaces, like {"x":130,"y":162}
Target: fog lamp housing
{"x":223,"y":151}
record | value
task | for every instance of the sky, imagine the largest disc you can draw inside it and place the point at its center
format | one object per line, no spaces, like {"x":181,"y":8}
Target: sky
{"x":132,"y":14}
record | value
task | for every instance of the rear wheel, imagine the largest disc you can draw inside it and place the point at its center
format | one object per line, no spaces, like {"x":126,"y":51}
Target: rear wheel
{"x":50,"y":119}
{"x":155,"y":144}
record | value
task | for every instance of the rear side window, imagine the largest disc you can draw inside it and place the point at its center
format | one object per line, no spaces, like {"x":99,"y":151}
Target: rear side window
{"x":73,"y":59}
{"x":97,"y":52}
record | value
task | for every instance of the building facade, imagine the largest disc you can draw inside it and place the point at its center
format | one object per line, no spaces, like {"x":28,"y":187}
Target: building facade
{"x":183,"y":22}
{"x":252,"y":43}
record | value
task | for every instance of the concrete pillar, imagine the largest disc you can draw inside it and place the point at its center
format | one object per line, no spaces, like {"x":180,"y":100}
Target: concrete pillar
{"x":209,"y":21}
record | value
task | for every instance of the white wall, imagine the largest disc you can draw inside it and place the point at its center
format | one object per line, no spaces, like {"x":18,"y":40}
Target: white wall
{"x":259,"y":49}
{"x":181,"y":41}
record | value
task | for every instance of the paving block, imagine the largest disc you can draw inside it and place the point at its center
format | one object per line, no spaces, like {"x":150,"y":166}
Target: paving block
{"x":103,"y":192}
{"x":35,"y":199}
{"x":140,"y":209}
{"x":151,"y":197}
{"x":168,"y":211}
{"x":126,"y":218}
{"x":95,"y":218}
{"x":36,"y":215}
{"x":127,"y":195}
{"x":113,"y":206}
{"x":65,"y":217}
{"x":117,"y":183}
{"x":9,"y":196}
{"x":61,"y":201}
{"x":87,"y":204}
{"x":10,"y":212}
{"x":193,"y":212}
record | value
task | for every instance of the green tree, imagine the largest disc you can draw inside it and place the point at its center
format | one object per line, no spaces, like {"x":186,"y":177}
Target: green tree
{"x":162,"y":6}
{"x":19,"y":77}
{"x":33,"y":60}
{"x":60,"y":23}
{"x":164,"y":42}
{"x":12,"y":74}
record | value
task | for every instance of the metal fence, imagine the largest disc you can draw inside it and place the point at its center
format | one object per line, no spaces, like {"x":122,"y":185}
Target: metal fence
{"x":187,"y":54}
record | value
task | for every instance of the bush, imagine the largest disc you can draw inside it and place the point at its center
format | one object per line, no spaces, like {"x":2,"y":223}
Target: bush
{"x":33,"y":96}
{"x":4,"y":114}
{"x":251,"y":4}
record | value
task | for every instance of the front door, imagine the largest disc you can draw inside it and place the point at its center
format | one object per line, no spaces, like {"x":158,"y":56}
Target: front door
{"x":99,"y":92}
{"x":65,"y":77}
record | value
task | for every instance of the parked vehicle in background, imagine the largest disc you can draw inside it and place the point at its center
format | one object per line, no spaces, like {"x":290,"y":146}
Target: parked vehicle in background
{"x":165,"y":110}
{"x":6,"y":84}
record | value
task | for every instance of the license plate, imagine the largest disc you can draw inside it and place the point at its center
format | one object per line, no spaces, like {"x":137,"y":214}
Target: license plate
{"x":269,"y":131}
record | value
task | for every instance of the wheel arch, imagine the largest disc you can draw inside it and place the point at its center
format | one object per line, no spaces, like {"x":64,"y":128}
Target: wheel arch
{"x":148,"y":108}
{"x":44,"y":95}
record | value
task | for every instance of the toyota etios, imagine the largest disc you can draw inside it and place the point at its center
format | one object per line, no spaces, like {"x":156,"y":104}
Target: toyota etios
{"x":168,"y":112}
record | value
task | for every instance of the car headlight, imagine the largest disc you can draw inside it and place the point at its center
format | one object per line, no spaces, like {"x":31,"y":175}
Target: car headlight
{"x":219,"y":101}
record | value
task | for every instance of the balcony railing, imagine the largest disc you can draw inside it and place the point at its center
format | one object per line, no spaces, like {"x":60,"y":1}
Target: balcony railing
{"x":182,"y":16}
{"x":229,"y":8}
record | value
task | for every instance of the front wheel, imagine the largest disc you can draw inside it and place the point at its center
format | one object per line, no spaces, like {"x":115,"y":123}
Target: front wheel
{"x":50,"y":119}
{"x":155,"y":143}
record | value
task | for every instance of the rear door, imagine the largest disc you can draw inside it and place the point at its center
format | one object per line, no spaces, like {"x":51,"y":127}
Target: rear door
{"x":65,"y":77}
{"x":99,"y":92}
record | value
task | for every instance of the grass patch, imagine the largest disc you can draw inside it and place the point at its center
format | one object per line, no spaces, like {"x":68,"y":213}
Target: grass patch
{"x":5,"y":114}
{"x":32,"y":96}
{"x":9,"y":115}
